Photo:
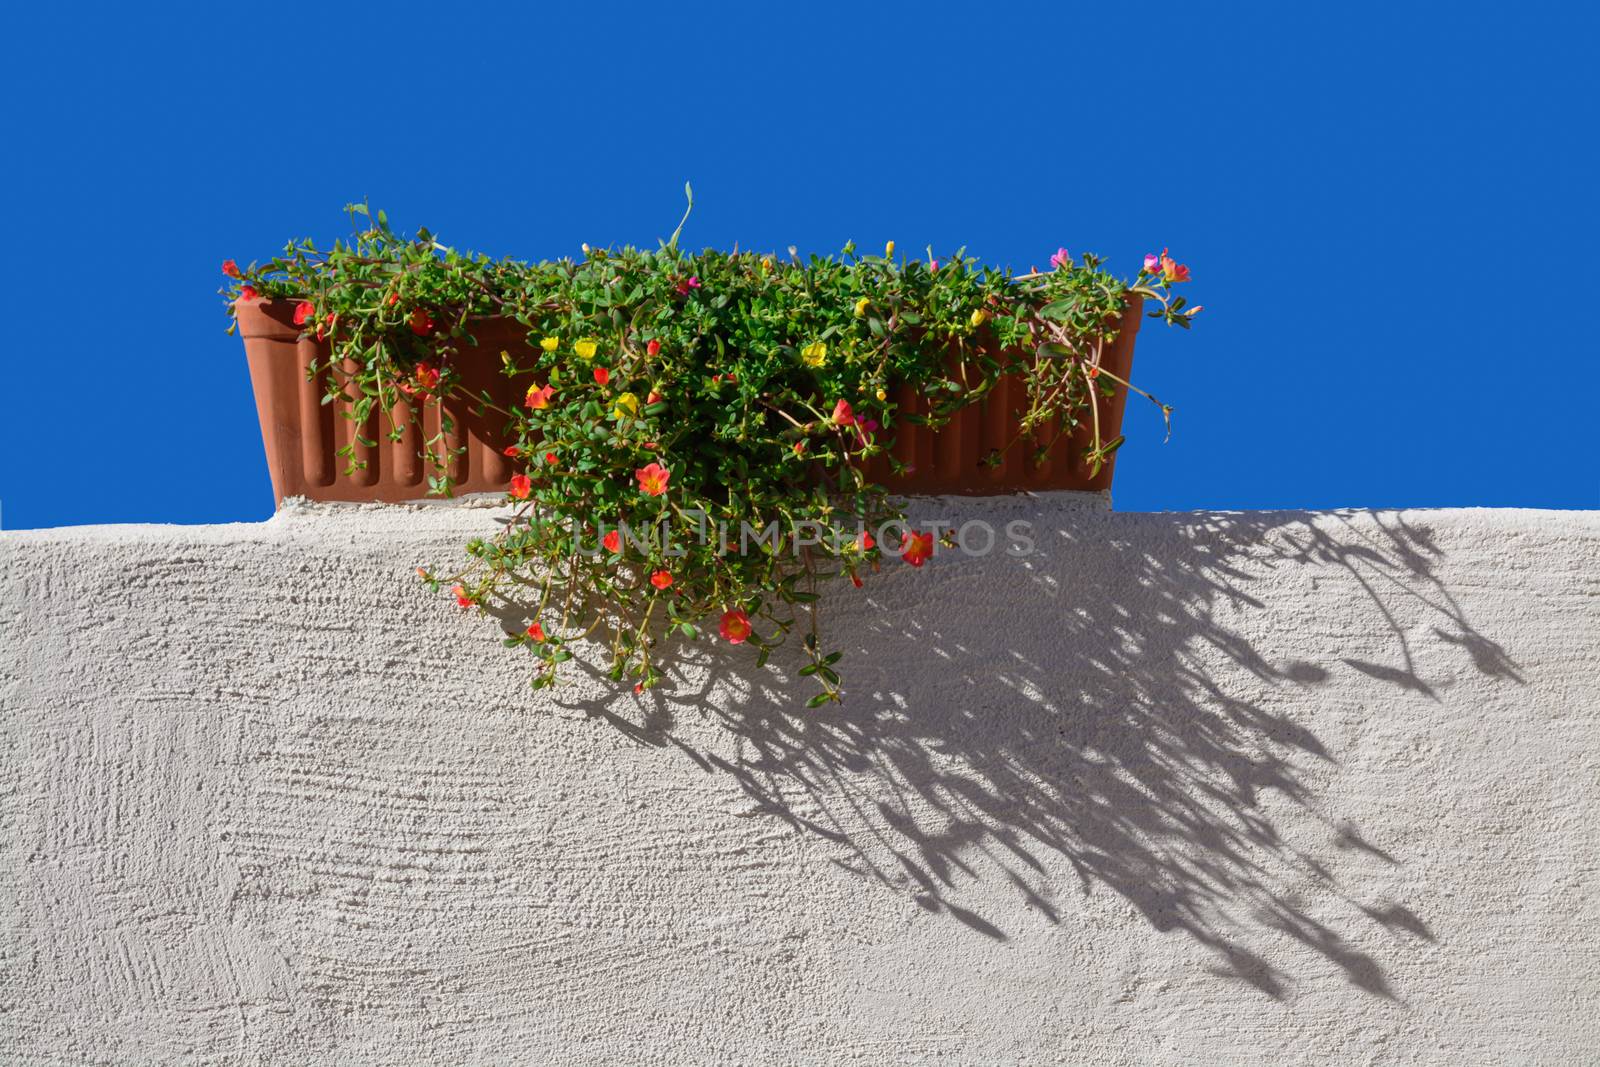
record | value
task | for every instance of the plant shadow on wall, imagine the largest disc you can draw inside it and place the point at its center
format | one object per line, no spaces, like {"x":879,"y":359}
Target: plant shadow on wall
{"x":1070,"y":703}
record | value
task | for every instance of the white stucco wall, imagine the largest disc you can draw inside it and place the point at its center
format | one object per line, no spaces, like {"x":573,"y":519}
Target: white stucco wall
{"x":1183,"y":789}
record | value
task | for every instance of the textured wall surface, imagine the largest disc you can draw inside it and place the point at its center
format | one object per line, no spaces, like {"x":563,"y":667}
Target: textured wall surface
{"x":1180,"y":789}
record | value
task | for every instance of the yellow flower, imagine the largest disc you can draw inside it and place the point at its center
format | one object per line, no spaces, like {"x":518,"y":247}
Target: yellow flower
{"x":550,"y":344}
{"x":627,"y":405}
{"x":861,"y":306}
{"x":888,"y":250}
{"x":814,"y":354}
{"x":585,"y":349}
{"x":979,"y":317}
{"x":882,"y":395}
{"x":766,"y":262}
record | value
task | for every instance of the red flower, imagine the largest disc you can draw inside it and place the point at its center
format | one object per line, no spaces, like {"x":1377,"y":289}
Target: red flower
{"x":916,"y":548}
{"x":602,"y":376}
{"x":653,"y":479}
{"x":653,"y":348}
{"x":538,"y":399}
{"x":521,"y":486}
{"x":421,"y":322}
{"x":735,"y":626}
{"x":511,"y":451}
{"x":855,"y":580}
{"x":394,"y":298}
{"x":461,"y":595}
{"x":661,"y":579}
{"x":613,"y":542}
{"x":550,"y":458}
{"x":536,"y":632}
{"x":866,"y":542}
{"x":638,"y":687}
{"x":247,"y":293}
{"x":302,"y":312}
{"x":799,"y":448}
{"x":653,"y":398}
{"x":230,"y":268}
{"x":843,"y":415}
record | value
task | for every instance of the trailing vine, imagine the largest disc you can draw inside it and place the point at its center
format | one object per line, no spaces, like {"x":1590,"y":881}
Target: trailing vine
{"x":696,"y":428}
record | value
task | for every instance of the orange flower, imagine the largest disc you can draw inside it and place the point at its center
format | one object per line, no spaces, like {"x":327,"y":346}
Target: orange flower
{"x":916,"y":548}
{"x":655,"y":397}
{"x":422,"y":572}
{"x":653,"y":479}
{"x":538,"y":399}
{"x":602,"y":376}
{"x":613,"y":542}
{"x":536,"y":632}
{"x":427,"y":376}
{"x":661,"y":579}
{"x":735,"y":626}
{"x":1171,"y":270}
{"x":461,"y":596}
{"x":521,"y":486}
{"x":302,"y":312}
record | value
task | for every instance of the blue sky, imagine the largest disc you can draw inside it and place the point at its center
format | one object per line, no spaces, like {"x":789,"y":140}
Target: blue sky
{"x":1388,"y":209}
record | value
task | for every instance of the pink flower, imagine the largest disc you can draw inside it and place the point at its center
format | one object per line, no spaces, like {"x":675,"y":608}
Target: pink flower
{"x":1061,"y":260}
{"x":1152,"y":263}
{"x":842,"y":414}
{"x":735,"y":626}
{"x":688,"y":284}
{"x":933,"y":265}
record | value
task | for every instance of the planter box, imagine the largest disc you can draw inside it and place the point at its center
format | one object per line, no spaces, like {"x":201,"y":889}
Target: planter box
{"x":303,"y":435}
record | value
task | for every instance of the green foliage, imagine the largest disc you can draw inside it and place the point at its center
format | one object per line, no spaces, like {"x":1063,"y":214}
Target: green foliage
{"x":727,"y":370}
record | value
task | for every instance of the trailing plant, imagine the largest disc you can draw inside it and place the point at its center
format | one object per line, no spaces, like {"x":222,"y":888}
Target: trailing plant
{"x":696,"y":428}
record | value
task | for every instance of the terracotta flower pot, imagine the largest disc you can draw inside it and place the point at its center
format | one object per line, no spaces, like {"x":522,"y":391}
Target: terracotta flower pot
{"x":303,"y":435}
